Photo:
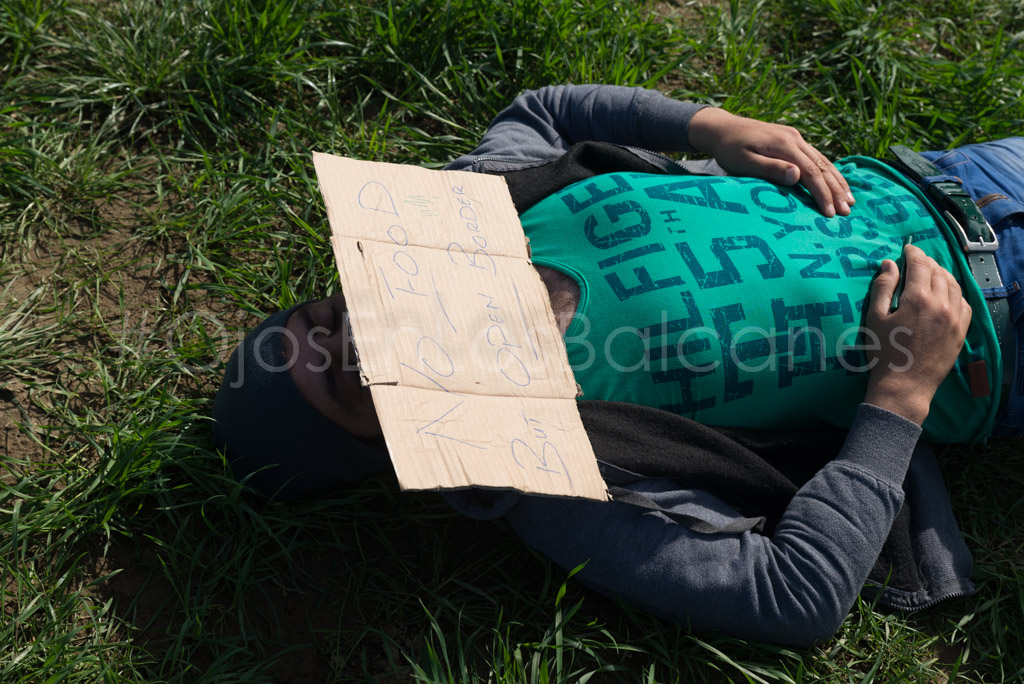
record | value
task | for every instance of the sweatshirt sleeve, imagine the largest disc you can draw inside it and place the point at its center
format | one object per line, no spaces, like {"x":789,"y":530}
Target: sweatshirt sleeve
{"x":541,"y":124}
{"x":795,"y":587}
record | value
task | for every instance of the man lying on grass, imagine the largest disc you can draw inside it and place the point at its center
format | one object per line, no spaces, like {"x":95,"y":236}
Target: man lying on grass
{"x":746,"y":304}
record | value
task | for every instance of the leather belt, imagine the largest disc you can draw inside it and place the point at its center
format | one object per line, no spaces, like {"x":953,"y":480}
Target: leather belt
{"x":977,"y":241}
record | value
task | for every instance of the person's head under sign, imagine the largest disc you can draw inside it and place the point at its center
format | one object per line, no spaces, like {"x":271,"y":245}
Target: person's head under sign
{"x":292,"y":406}
{"x":291,"y":410}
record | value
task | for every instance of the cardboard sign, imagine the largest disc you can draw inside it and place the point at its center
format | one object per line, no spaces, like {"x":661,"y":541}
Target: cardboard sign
{"x":454,"y":332}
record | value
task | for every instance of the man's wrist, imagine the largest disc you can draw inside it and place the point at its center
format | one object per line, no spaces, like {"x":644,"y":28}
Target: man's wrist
{"x":907,"y":401}
{"x":701,"y":134}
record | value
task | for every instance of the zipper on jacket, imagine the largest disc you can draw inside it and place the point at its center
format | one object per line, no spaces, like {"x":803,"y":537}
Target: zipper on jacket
{"x":531,"y":160}
{"x":507,"y":160}
{"x":659,"y":155}
{"x":926,"y":606}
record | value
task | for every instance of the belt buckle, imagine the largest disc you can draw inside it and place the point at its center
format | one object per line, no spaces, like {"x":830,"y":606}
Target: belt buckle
{"x":968,"y":245}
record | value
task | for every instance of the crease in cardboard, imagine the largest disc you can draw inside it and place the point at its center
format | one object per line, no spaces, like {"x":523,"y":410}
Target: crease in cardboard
{"x":454,"y":331}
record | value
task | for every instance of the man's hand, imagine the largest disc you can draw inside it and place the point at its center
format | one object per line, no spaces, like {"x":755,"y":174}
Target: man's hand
{"x":748,"y":147}
{"x":919,"y":342}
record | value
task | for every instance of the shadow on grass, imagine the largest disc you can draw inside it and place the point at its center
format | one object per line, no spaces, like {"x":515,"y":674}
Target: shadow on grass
{"x":306,"y":592}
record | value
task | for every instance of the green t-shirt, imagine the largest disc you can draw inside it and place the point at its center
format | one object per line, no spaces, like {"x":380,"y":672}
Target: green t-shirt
{"x":734,"y":302}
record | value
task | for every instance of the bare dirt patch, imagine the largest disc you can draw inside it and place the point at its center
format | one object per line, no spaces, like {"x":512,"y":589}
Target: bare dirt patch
{"x":76,"y":309}
{"x":19,"y":419}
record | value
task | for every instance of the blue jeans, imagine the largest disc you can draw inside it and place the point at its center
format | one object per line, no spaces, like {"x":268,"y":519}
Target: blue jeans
{"x":993,"y":174}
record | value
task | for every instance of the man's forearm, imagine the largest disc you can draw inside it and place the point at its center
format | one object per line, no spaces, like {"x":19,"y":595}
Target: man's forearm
{"x":795,"y":587}
{"x":541,"y":124}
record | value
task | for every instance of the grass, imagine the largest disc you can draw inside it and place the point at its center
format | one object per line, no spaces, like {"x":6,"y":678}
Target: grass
{"x":157,"y":197}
